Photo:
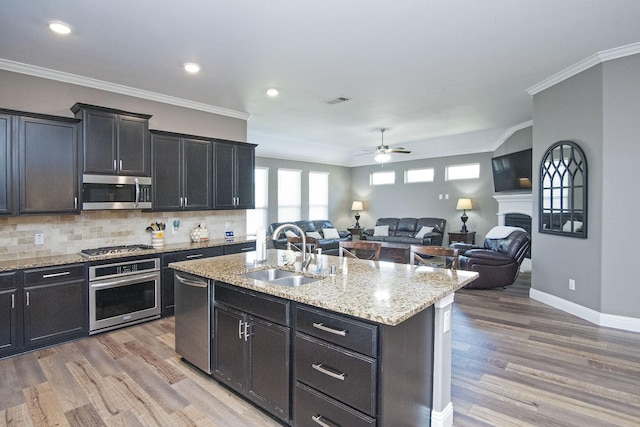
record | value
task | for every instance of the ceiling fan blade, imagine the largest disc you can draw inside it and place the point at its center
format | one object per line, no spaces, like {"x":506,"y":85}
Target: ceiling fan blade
{"x":398,"y":150}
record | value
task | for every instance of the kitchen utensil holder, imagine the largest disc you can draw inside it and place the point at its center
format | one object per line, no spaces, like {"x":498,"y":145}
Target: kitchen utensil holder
{"x":157,"y":238}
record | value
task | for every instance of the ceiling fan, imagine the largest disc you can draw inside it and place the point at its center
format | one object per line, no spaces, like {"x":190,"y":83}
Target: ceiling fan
{"x":383,"y":152}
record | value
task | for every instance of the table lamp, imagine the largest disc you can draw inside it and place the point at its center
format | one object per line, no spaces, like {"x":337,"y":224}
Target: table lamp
{"x":463,"y":205}
{"x":357,"y":206}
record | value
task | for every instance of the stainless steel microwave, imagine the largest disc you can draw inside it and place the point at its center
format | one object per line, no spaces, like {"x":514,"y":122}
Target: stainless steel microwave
{"x":104,"y":192}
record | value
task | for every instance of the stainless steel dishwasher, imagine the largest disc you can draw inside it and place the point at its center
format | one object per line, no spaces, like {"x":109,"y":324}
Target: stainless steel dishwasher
{"x":193,"y":331}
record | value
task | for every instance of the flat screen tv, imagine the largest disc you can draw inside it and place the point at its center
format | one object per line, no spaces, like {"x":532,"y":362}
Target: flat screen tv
{"x":512,"y":172}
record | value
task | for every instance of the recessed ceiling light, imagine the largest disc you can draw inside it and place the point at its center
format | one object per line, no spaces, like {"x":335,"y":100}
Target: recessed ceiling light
{"x":191,"y":67}
{"x":273,"y":92}
{"x":59,"y":27}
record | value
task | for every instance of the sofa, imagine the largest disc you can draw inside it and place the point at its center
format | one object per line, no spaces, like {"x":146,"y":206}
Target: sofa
{"x":407,"y":230}
{"x":498,"y":260}
{"x":312,"y":228}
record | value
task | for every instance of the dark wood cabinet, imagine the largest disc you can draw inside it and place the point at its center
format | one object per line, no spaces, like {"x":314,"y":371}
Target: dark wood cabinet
{"x":115,"y":142}
{"x":252,"y":341}
{"x":182,"y":172}
{"x":7,"y":192}
{"x":167,"y":293}
{"x":236,"y":248}
{"x":234,"y":175}
{"x":55,"y":302}
{"x":10,"y":313}
{"x":48,"y":165}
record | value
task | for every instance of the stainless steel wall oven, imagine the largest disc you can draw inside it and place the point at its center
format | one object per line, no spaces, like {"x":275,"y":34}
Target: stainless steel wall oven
{"x":123,"y":292}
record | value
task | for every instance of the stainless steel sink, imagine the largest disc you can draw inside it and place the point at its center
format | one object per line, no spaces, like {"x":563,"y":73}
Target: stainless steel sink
{"x":269,"y":274}
{"x":293,"y":281}
{"x":280,"y":277}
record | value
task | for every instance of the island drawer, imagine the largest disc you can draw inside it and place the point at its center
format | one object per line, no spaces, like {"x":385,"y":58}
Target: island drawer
{"x":313,"y":408}
{"x":260,"y":305}
{"x":336,"y":329}
{"x":342,"y":374}
{"x":55,"y":274}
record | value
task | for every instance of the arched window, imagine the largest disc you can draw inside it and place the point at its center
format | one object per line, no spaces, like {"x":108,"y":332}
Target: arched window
{"x":563,"y":190}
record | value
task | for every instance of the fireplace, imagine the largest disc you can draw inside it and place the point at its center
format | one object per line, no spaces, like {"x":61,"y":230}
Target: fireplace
{"x":516,"y":210}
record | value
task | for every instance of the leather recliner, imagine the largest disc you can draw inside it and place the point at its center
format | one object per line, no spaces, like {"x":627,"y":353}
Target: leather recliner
{"x":497,"y":262}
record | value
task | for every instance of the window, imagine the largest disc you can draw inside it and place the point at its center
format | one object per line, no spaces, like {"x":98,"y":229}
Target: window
{"x":318,"y":195}
{"x":258,"y":217}
{"x":382,"y":178}
{"x":289,"y":195}
{"x":418,"y":175}
{"x":468,"y":171}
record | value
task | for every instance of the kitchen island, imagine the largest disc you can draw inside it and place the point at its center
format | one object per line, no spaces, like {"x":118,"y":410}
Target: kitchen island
{"x":388,"y":322}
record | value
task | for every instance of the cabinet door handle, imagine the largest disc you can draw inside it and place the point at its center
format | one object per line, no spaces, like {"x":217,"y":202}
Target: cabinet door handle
{"x":246,"y":330}
{"x":180,"y":201}
{"x":318,"y":367}
{"x":115,"y":167}
{"x":342,"y":333}
{"x":63,"y":273}
{"x":13,"y":301}
{"x":318,"y":420}
{"x":240,"y":329}
{"x":75,"y":203}
{"x":27,"y":299}
{"x":185,"y":202}
{"x":120,"y":164}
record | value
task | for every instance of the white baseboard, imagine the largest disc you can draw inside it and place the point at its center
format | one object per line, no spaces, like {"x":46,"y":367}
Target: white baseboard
{"x":601,"y":319}
{"x":443,"y":418}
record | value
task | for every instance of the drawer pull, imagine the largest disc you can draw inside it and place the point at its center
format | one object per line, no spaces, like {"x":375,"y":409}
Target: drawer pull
{"x":318,"y":420}
{"x":194,"y":256}
{"x":342,"y":333}
{"x":318,"y":367}
{"x":48,"y":276}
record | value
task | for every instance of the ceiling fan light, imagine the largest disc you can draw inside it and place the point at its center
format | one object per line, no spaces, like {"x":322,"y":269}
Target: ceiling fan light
{"x":382,"y":157}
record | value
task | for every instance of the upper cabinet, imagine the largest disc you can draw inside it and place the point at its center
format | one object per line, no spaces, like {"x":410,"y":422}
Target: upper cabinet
{"x":115,"y":142}
{"x":182,"y":172}
{"x":7,"y":193}
{"x":39,"y":155}
{"x":234,"y":175}
{"x":48,"y":163}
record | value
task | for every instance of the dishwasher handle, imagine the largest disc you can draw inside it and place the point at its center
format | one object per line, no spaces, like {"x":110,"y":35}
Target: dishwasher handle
{"x":190,"y":282}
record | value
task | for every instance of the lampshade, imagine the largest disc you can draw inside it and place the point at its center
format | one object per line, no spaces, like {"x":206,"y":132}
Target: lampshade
{"x":464,"y":204}
{"x":356,"y":206}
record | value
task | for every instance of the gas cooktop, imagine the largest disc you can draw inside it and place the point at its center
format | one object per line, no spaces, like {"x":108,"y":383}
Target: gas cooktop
{"x":114,"y":250}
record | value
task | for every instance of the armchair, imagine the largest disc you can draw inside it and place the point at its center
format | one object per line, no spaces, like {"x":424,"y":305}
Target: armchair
{"x":498,"y":261}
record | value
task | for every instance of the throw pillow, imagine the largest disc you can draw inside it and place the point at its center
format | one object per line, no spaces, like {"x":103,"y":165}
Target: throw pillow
{"x":577,"y":226}
{"x":381,"y":230}
{"x":314,"y":234}
{"x":290,"y":233}
{"x":330,"y":233}
{"x":424,"y":230}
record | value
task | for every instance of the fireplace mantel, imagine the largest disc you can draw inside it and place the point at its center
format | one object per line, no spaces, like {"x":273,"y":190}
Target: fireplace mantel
{"x":521,"y":203}
{"x":514,"y":203}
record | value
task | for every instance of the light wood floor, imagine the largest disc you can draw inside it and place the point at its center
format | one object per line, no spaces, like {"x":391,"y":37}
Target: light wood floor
{"x":516,"y":362}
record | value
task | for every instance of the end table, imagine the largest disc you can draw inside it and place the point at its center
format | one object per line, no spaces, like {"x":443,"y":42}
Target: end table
{"x":458,"y":236}
{"x":356,"y":232}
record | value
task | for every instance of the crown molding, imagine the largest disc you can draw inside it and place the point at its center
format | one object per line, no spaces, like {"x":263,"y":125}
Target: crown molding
{"x":598,"y":58}
{"x":509,"y":132}
{"x":61,"y":76}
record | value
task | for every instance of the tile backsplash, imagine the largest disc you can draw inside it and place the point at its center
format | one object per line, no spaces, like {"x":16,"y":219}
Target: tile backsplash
{"x":68,"y":234}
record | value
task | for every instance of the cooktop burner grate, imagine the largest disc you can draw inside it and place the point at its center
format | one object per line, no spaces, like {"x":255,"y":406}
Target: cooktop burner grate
{"x":114,"y":250}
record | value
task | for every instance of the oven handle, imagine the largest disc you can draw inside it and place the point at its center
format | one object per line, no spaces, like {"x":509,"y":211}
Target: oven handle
{"x":128,"y":280}
{"x":188,"y":282}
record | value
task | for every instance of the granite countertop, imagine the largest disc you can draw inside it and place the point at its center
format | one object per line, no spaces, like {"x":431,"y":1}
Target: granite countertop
{"x":382,"y":292}
{"x":54,"y":260}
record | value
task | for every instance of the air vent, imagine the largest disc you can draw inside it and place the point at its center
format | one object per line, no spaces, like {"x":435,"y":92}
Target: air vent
{"x":337,"y":100}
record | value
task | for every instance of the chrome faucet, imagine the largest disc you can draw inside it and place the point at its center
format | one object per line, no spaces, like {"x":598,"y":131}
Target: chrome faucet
{"x":305,"y":260}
